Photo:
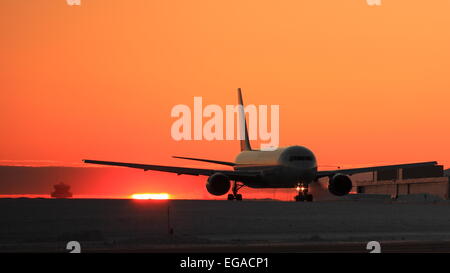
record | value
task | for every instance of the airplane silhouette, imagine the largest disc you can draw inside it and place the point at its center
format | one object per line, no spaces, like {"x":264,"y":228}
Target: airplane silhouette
{"x":287,"y":167}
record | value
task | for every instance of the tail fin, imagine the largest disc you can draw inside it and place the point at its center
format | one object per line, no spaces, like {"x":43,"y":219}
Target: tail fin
{"x":245,"y":143}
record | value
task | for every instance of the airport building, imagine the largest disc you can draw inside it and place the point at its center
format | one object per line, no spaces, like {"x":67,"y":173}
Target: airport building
{"x":416,"y":180}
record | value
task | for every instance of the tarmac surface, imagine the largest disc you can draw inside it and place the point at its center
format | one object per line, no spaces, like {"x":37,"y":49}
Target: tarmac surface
{"x":112,"y":225}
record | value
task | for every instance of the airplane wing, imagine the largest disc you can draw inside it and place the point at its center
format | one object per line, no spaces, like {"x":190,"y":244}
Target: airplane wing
{"x":232,"y":174}
{"x":372,"y":169}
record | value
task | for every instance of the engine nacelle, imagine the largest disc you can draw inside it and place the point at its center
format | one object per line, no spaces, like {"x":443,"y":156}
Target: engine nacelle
{"x":218,"y":184}
{"x":340,"y":184}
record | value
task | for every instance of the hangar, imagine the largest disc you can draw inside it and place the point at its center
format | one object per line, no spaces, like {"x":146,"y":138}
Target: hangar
{"x":404,"y":181}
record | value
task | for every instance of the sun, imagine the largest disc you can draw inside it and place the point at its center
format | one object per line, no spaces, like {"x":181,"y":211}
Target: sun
{"x":150,"y":196}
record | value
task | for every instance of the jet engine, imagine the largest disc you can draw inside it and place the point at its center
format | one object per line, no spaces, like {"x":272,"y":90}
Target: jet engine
{"x":340,"y":184}
{"x":218,"y":184}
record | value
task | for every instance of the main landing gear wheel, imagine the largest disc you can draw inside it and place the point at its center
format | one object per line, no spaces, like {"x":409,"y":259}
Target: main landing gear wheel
{"x":235,"y":195}
{"x":303,"y":195}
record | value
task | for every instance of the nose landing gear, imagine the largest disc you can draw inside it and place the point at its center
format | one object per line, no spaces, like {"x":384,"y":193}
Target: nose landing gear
{"x":303,"y":195}
{"x":235,"y":195}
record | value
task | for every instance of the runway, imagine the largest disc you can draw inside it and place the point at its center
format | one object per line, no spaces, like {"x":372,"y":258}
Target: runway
{"x":317,"y":247}
{"x":108,"y":225}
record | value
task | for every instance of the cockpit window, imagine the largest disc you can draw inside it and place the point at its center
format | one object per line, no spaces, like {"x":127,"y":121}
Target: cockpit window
{"x":300,"y":158}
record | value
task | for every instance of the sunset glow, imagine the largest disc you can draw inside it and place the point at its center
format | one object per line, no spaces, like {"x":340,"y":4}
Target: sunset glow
{"x":358,"y":85}
{"x":150,"y":196}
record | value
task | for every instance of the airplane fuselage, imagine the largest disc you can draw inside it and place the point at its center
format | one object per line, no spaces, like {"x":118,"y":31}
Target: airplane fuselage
{"x":281,"y":168}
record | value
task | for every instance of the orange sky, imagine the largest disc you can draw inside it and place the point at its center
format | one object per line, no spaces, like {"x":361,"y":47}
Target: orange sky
{"x":356,"y":84}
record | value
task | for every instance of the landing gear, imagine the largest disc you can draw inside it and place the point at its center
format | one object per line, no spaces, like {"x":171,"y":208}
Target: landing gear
{"x":235,"y":195}
{"x":303,"y":195}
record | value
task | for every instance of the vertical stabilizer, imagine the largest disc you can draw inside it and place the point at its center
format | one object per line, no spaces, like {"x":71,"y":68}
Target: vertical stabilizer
{"x":245,"y":143}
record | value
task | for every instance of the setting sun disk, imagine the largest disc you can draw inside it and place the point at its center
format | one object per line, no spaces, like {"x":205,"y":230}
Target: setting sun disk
{"x":152,"y":196}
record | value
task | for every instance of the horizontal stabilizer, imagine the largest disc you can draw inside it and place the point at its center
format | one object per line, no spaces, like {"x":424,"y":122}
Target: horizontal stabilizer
{"x":207,"y":160}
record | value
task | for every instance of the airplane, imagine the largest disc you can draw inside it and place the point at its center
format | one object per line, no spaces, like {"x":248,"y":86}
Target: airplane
{"x":284,"y":167}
